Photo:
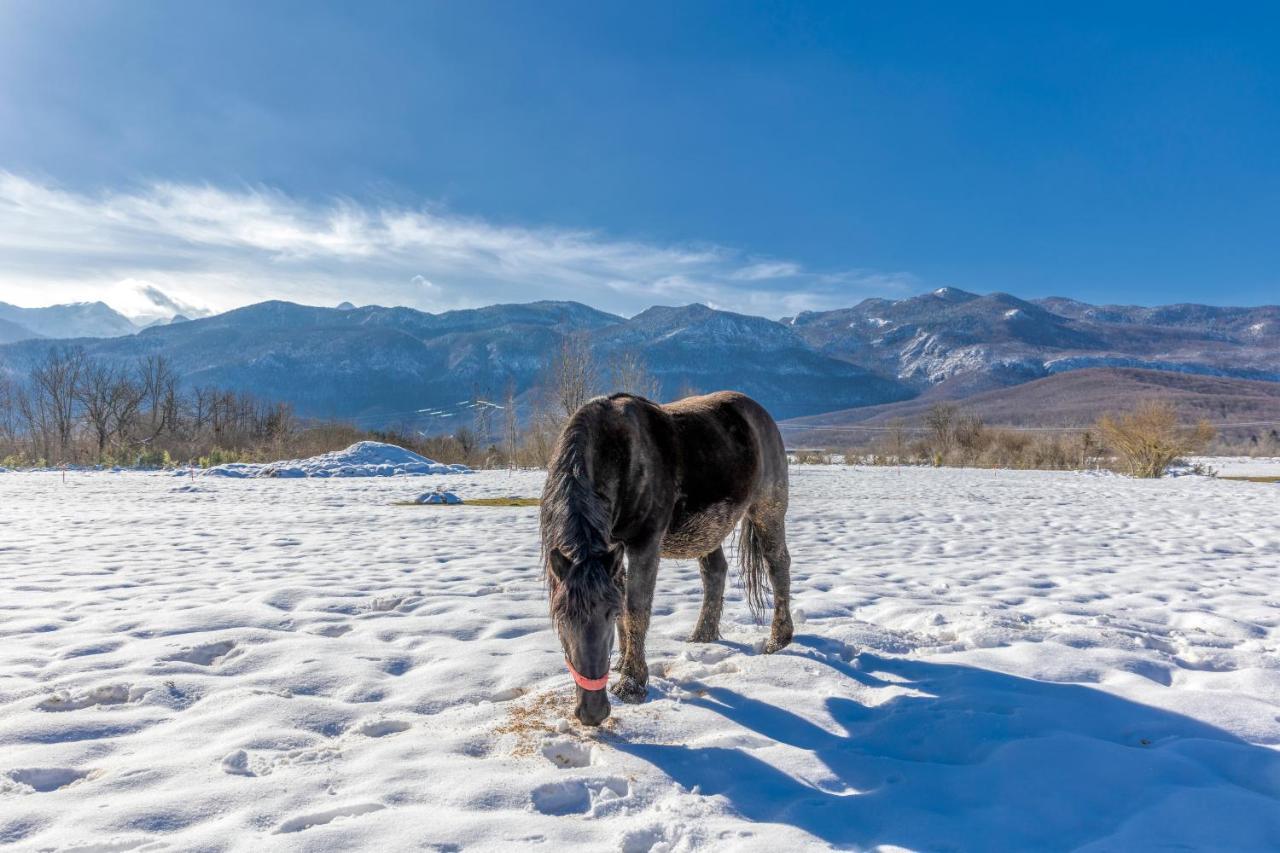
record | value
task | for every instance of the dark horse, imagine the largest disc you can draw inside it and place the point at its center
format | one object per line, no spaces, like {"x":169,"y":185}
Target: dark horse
{"x":631,"y":478}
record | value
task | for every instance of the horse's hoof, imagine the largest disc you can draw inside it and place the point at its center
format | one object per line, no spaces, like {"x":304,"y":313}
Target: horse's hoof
{"x":704,"y":636}
{"x":776,"y":644}
{"x":630,"y":691}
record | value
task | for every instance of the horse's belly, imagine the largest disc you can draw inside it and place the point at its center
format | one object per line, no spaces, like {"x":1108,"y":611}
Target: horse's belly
{"x":699,"y":534}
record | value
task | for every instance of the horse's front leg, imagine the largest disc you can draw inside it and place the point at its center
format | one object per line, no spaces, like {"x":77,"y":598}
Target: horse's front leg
{"x":642,"y":571}
{"x":622,"y":643}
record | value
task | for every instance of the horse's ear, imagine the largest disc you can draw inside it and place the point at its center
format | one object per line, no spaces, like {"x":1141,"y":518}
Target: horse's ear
{"x":560,"y":564}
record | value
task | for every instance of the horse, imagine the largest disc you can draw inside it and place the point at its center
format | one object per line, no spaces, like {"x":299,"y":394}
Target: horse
{"x":633,"y":479}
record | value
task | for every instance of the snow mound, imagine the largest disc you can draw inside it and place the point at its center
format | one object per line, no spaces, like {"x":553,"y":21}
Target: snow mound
{"x":439,"y":496}
{"x":362,"y":459}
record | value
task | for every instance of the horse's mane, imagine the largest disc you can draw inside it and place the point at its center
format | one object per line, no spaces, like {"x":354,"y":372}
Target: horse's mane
{"x":575,"y":520}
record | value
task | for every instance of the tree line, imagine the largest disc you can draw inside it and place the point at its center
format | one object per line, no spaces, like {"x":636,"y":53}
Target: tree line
{"x":73,"y":409}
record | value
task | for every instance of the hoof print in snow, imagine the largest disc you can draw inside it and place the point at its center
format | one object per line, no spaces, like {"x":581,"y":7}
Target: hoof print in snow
{"x":651,"y":838}
{"x":564,"y":752}
{"x":578,"y":796}
{"x":307,"y":821}
{"x":386,"y":603}
{"x":207,"y":654}
{"x":42,"y":780}
{"x":382,"y":728}
{"x":112,"y":694}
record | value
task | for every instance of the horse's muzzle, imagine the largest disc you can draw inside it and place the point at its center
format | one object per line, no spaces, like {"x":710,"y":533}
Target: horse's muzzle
{"x":593,"y":707}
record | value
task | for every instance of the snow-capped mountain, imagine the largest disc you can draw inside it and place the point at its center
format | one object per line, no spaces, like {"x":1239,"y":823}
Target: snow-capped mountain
{"x":382,"y":365}
{"x":698,"y":347}
{"x":74,"y":320}
{"x":971,"y":342}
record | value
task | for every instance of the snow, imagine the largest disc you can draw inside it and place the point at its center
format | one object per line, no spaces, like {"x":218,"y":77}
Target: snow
{"x":439,"y":496}
{"x":983,"y":659}
{"x":362,"y":459}
{"x":1239,"y":466}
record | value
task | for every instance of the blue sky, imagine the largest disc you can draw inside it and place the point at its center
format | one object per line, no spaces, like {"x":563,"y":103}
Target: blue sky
{"x":760,"y":157}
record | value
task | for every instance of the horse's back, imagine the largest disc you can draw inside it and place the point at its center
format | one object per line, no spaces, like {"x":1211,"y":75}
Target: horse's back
{"x":730,"y":453}
{"x":729,"y":425}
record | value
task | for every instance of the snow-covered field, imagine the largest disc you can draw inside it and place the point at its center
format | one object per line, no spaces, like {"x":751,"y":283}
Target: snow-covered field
{"x":1240,"y":466}
{"x":984,"y":660}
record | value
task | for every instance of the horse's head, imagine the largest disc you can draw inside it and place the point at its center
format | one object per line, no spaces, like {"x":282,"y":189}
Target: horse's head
{"x":586,"y":597}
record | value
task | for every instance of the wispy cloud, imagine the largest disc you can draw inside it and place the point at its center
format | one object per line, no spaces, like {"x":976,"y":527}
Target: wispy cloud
{"x":186,"y":248}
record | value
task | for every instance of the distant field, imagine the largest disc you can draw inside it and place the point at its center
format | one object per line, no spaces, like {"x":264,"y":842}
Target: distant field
{"x":1073,"y":399}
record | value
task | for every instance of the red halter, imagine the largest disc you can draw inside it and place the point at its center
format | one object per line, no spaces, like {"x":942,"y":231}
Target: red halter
{"x":587,"y":683}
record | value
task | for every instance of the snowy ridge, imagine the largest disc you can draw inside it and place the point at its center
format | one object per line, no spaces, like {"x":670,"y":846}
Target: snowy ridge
{"x":362,"y":459}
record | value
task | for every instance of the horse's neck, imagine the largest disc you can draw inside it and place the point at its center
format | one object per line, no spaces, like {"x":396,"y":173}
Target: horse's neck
{"x":586,"y":513}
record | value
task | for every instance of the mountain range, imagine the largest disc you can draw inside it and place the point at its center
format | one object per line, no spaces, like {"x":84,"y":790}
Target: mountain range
{"x":382,"y":365}
{"x":75,"y":320}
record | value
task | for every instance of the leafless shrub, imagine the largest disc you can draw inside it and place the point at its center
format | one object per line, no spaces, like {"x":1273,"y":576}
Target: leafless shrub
{"x":1148,"y":439}
{"x":940,"y":421}
{"x":813,"y":457}
{"x":971,"y":438}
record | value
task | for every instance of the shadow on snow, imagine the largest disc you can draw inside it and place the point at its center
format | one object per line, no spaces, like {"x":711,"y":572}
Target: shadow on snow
{"x":968,"y":758}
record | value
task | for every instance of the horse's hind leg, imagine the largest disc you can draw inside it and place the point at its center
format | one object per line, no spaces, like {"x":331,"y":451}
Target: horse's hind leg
{"x":713,"y":569}
{"x":772,"y":537}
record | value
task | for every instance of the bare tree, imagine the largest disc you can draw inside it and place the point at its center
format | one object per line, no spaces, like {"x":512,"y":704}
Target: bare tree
{"x":95,"y":391}
{"x":574,"y":374}
{"x":897,"y":434}
{"x":629,"y":374}
{"x":940,"y":420}
{"x":8,"y":414}
{"x":35,"y":415}
{"x":53,"y":385}
{"x":971,"y":437}
{"x":511,"y":424}
{"x":159,"y":384}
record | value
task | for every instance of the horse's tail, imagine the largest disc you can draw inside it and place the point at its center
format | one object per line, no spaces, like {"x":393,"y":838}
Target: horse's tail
{"x":753,"y":569}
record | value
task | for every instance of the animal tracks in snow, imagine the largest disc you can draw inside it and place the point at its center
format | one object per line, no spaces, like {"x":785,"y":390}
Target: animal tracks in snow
{"x":45,"y":779}
{"x":110,"y":694}
{"x":568,"y":752}
{"x":578,"y":796}
{"x":382,"y":728}
{"x":207,"y":654}
{"x":306,"y":658}
{"x":307,"y":821}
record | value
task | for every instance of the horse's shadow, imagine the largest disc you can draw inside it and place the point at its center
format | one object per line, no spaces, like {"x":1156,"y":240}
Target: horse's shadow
{"x":965,"y":758}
